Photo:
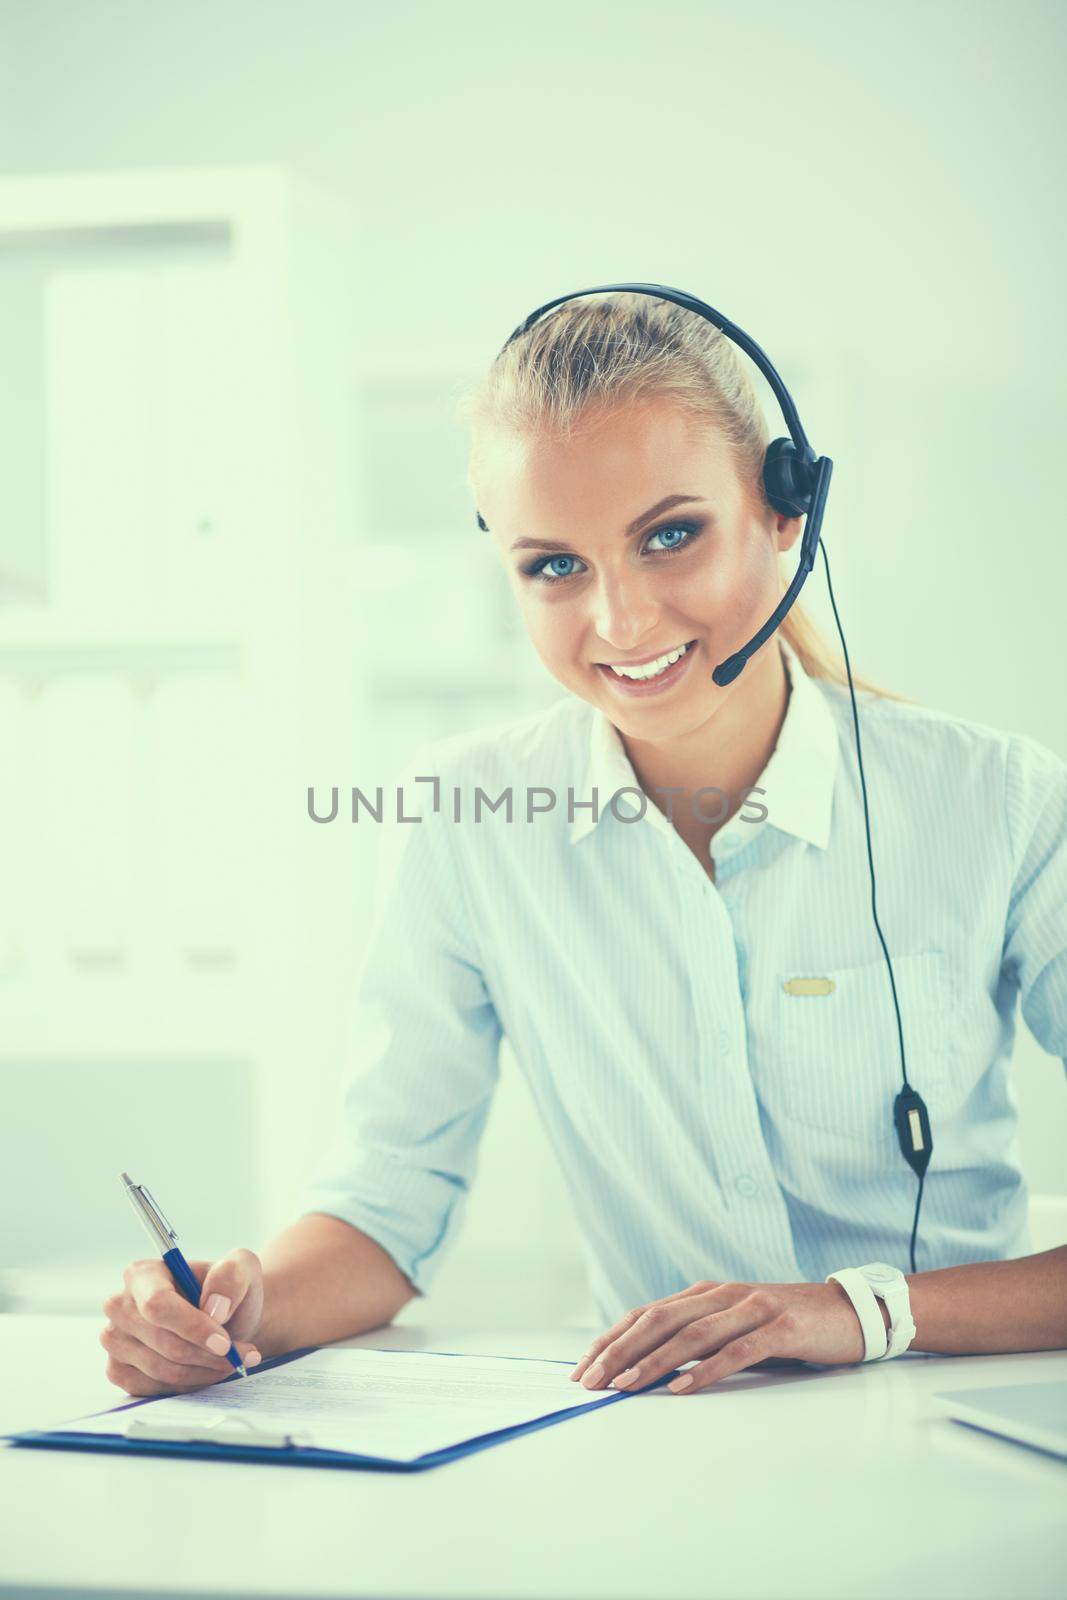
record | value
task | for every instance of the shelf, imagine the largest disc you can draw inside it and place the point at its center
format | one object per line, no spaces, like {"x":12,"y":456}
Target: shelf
{"x":38,"y":661}
{"x":96,"y":243}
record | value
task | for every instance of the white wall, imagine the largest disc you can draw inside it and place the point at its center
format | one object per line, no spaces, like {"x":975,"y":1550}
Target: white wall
{"x":872,"y":192}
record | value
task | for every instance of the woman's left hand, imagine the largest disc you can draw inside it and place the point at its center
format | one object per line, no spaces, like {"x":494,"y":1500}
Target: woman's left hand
{"x":724,"y":1327}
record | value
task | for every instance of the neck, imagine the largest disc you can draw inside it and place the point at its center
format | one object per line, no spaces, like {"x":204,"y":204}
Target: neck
{"x":728,"y":751}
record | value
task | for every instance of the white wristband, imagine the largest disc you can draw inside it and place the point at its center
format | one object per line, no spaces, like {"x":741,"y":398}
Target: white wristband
{"x":891,"y":1286}
{"x":868,"y":1309}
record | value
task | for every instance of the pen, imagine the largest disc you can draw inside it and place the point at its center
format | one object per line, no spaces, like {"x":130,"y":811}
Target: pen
{"x":165,"y":1239}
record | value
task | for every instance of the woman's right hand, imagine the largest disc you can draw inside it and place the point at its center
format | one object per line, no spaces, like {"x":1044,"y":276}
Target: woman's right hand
{"x":157,"y":1343}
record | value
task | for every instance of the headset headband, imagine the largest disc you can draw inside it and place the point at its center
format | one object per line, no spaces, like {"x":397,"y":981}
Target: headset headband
{"x":689,"y":302}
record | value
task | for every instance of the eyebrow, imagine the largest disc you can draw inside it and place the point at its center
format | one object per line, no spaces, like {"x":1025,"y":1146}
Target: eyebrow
{"x":634,"y":527}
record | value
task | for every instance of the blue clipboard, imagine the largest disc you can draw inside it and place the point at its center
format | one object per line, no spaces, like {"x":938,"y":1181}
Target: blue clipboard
{"x":283,"y":1451}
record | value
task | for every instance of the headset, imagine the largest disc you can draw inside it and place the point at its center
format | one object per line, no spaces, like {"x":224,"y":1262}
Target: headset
{"x":796,"y":482}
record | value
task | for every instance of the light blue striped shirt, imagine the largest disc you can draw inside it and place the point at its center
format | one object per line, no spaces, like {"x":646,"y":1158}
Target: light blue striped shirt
{"x":708,"y":1121}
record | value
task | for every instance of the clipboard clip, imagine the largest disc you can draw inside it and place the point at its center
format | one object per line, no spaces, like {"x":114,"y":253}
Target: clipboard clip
{"x":226,"y":1428}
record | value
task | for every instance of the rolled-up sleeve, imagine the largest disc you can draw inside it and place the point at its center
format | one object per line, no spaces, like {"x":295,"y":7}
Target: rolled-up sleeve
{"x":422,"y":1051}
{"x":1035,"y":941}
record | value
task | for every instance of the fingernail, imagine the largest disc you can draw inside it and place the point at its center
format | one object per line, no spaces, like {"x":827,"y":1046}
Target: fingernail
{"x":219,"y":1343}
{"x":594,"y":1376}
{"x":253,"y":1358}
{"x":628,"y":1376}
{"x":681,"y":1383}
{"x":218,"y":1308}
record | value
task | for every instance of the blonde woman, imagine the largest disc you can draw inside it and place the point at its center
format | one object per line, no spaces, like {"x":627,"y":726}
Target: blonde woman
{"x":661,"y":898}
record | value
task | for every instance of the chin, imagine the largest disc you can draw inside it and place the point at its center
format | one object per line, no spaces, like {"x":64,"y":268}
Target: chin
{"x":659,"y":725}
{"x":673,"y":717}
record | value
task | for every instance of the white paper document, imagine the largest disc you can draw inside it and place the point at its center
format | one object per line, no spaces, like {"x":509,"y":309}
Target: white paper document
{"x":394,"y":1404}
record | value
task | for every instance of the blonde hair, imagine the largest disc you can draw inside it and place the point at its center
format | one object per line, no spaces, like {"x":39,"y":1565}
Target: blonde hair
{"x":621,"y":349}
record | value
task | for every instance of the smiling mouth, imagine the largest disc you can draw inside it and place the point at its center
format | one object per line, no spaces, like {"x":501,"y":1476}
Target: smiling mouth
{"x":645,"y":671}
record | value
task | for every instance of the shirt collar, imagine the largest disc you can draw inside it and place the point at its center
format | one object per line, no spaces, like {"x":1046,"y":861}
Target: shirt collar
{"x":798,"y":780}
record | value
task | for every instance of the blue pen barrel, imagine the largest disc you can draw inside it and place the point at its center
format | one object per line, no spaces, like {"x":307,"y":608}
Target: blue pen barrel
{"x":182,"y":1274}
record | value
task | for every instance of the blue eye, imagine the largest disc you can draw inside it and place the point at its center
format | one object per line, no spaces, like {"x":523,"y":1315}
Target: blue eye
{"x":551,"y":569}
{"x":675,"y":536}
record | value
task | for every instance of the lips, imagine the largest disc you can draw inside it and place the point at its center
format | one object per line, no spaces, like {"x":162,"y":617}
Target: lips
{"x":631,"y":688}
{"x":642,"y":661}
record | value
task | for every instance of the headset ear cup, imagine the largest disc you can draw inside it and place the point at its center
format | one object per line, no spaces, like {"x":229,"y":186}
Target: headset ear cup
{"x":788,"y":477}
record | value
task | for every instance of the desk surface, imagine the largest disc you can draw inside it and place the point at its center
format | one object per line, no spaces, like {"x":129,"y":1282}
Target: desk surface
{"x":844,"y":1482}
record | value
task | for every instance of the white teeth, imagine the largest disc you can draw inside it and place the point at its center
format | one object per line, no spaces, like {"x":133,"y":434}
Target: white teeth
{"x":651,"y":669}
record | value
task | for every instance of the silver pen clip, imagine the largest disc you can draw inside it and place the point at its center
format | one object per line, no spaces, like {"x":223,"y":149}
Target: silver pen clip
{"x":147,"y":1208}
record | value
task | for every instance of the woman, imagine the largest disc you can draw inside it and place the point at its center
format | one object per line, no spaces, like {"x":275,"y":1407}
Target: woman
{"x":657,"y":889}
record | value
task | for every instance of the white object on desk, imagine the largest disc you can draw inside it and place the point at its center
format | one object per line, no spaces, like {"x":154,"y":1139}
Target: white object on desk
{"x":1032,"y":1413}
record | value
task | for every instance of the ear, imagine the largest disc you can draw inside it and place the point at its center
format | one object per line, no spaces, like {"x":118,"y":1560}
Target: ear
{"x":787,"y":530}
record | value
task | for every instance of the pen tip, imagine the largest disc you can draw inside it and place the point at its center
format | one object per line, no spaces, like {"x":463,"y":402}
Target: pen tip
{"x":241,"y":1373}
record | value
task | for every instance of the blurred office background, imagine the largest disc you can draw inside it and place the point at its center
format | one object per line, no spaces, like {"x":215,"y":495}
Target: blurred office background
{"x":250,"y":253}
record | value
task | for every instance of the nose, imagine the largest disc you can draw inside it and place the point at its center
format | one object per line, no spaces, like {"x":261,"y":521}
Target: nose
{"x":624,"y":611}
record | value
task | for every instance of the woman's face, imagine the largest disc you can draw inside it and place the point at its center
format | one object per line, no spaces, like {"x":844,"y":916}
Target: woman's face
{"x":633,"y":548}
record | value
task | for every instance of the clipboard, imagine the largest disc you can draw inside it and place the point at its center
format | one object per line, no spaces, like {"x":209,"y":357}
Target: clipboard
{"x":232,"y":1438}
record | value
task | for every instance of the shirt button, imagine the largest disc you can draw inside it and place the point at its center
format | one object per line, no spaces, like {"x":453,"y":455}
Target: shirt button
{"x":722,"y":1039}
{"x":747,"y":1186}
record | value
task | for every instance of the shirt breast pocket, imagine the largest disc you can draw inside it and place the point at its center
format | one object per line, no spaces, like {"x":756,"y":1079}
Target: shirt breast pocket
{"x":838,"y":1051}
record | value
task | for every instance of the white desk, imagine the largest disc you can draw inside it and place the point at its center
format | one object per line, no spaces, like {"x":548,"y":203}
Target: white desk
{"x":787,"y":1483}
